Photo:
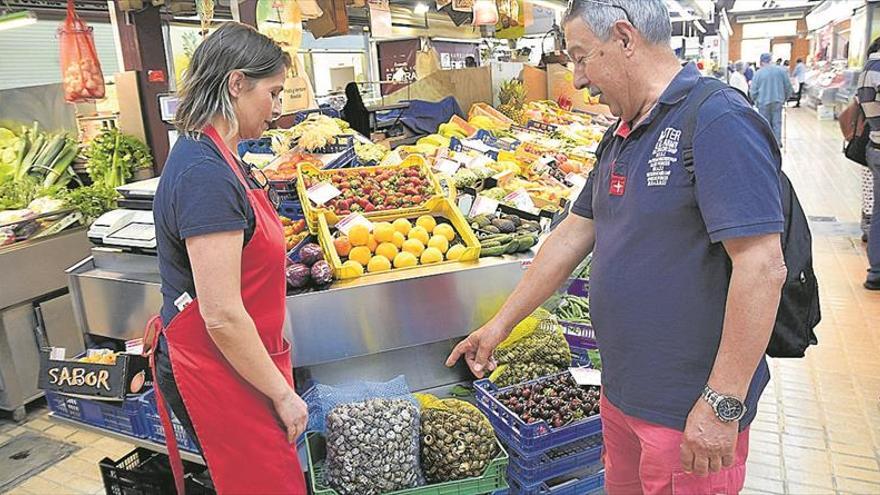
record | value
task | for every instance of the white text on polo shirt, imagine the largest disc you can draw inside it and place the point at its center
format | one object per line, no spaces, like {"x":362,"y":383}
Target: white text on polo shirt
{"x":663,"y":157}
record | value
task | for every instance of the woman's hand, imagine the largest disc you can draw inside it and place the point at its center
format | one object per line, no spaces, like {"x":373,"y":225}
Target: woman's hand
{"x":293,"y":413}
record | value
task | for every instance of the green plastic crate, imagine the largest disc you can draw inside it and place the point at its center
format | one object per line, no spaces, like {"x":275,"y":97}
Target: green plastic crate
{"x":493,"y":479}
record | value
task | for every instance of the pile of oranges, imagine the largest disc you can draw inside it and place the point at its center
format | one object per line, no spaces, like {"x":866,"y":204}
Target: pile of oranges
{"x":398,"y":245}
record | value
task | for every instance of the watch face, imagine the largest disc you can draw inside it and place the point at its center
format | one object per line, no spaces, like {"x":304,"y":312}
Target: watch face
{"x":730,"y":409}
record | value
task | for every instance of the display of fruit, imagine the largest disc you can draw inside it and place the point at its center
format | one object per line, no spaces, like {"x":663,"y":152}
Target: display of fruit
{"x":451,"y":130}
{"x":294,"y":231}
{"x":378,"y":189}
{"x":457,"y":441}
{"x":284,"y":167}
{"x":419,"y":246}
{"x":311,"y":253}
{"x":512,"y":95}
{"x":99,"y":356}
{"x":369,"y":153}
{"x":505,"y":234}
{"x":557,"y":400}
{"x":311,"y":269}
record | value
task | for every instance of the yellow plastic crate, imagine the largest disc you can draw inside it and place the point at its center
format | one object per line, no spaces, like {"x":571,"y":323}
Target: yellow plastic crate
{"x":437,"y":207}
{"x":312,"y":212}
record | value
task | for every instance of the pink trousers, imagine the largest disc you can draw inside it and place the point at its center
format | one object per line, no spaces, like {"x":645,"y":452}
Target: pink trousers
{"x":643,"y":458}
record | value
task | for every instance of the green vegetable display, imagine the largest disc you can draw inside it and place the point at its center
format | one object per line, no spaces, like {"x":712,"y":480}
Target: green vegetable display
{"x":113,"y":157}
{"x":92,"y":201}
{"x":33,"y":164}
{"x":574,"y":309}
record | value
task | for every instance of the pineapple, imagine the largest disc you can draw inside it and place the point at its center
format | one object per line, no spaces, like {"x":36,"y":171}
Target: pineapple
{"x":513,"y":98}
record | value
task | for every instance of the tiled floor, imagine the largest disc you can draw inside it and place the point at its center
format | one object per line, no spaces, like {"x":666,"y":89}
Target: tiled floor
{"x":818,"y":426}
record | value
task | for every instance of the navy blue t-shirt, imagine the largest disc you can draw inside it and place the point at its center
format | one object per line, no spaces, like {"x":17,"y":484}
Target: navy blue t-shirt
{"x":198,"y":194}
{"x":660,"y":275}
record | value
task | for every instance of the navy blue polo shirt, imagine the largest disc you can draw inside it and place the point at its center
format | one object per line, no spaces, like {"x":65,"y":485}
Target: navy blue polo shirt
{"x":660,"y":275}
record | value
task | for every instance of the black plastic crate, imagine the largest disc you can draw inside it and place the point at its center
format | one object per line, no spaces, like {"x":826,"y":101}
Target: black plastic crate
{"x":145,"y":472}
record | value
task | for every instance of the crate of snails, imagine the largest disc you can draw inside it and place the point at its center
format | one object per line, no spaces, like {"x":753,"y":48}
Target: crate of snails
{"x":390,"y":446}
{"x":436,"y":234}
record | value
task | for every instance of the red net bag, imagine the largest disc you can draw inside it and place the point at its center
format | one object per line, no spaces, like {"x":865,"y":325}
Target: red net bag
{"x":80,"y":68}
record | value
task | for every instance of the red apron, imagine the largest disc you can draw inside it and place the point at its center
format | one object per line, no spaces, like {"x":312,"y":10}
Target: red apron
{"x":243,"y":444}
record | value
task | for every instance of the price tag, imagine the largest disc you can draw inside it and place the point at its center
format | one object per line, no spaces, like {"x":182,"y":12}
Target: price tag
{"x":542,"y":165}
{"x":525,"y":264}
{"x":479,"y":161}
{"x":392,"y":159}
{"x":577,"y":181}
{"x":586,"y":376}
{"x":483,"y":206}
{"x":447,"y":166}
{"x":346,"y":224}
{"x":322,"y":192}
{"x":134,"y":346}
{"x":521,"y":199}
{"x":442,"y":153}
{"x":57,"y":353}
{"x":476,"y":145}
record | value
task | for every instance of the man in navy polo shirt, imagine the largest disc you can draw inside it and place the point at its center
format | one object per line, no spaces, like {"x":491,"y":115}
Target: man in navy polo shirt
{"x":686,"y":275}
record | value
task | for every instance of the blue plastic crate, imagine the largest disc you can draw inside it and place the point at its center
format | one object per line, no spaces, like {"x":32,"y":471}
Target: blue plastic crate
{"x":119,"y":416}
{"x":534,"y":125}
{"x":556,"y":462}
{"x":291,"y":208}
{"x":346,"y":159}
{"x":153,"y":423}
{"x":583,"y":482}
{"x":501,"y":144}
{"x":339,"y":144}
{"x":261,"y":145}
{"x":529,"y":439}
{"x":579,"y":287}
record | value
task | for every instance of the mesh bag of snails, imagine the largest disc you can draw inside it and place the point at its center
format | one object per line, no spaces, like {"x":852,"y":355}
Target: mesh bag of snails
{"x":457,"y":440}
{"x":322,"y":399}
{"x":536,"y":347}
{"x":373,"y":447}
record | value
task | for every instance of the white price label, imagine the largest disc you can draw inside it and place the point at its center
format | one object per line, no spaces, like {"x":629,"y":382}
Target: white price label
{"x":521,"y":199}
{"x":586,"y":376}
{"x":57,"y":353}
{"x":483,"y":206}
{"x":134,"y":346}
{"x":446,"y":166}
{"x":542,"y":165}
{"x":346,"y":224}
{"x":479,"y":161}
{"x":322,"y":192}
{"x":476,"y":145}
{"x":442,"y":153}
{"x":577,"y":181}
{"x":392,"y":159}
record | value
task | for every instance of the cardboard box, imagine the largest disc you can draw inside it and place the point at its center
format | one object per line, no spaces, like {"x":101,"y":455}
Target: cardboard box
{"x":129,"y":375}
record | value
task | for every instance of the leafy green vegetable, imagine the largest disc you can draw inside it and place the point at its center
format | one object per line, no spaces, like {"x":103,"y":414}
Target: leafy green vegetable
{"x":92,"y":201}
{"x":113,"y":157}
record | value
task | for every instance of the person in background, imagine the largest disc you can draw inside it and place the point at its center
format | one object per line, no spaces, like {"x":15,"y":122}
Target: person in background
{"x":355,"y":112}
{"x":470,"y":61}
{"x":770,"y":88}
{"x":713,"y":236}
{"x":218,"y":352}
{"x":800,"y":75}
{"x":869,"y":83}
{"x":786,"y":65}
{"x":738,"y":78}
{"x":750,"y":73}
{"x":778,"y":61}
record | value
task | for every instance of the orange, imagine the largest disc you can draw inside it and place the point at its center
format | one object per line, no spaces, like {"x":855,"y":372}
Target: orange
{"x":426,"y":222}
{"x":414,"y":247}
{"x":439,"y":242}
{"x":387,"y":250}
{"x":431,"y":255}
{"x":445,"y":230}
{"x":398,"y":239}
{"x":455,"y":252}
{"x":378,"y":264}
{"x":342,"y":245}
{"x":360,"y":254}
{"x":419,"y":233}
{"x":405,"y":260}
{"x":359,"y":235}
{"x":359,"y":268}
{"x":402,"y":225}
{"x":372,"y":244}
{"x":383,"y":232}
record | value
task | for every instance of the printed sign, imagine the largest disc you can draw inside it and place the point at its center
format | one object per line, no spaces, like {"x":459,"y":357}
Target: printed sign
{"x":586,"y":376}
{"x":322,"y":192}
{"x":105,"y":381}
{"x":483,"y":206}
{"x":521,"y":200}
{"x":446,"y":166}
{"x":347,"y":223}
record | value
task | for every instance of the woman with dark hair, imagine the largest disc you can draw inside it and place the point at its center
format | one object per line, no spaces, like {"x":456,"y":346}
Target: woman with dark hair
{"x":869,"y":82}
{"x":218,"y":350}
{"x":354,"y":112}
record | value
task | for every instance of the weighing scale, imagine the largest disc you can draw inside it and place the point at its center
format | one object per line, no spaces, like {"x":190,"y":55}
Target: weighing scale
{"x":131,"y":226}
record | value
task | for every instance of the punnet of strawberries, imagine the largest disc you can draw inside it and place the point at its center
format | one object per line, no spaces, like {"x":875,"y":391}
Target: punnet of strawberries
{"x":380,"y":189}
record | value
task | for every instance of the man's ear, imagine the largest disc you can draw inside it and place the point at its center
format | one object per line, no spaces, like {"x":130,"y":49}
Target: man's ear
{"x":237,"y":83}
{"x":626,"y":35}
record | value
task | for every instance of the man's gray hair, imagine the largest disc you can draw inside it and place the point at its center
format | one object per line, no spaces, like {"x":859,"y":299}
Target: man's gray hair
{"x":649,"y":17}
{"x":739,"y":66}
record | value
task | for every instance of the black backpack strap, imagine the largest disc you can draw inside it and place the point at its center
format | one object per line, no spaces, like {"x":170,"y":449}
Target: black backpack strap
{"x":705,"y":88}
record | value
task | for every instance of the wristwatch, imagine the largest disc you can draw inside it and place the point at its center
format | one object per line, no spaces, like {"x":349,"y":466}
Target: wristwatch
{"x":727,"y":408}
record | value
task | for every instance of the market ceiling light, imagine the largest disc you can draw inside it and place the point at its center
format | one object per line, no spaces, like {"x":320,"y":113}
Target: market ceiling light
{"x":485,"y":13}
{"x":420,"y":9}
{"x":17,"y":19}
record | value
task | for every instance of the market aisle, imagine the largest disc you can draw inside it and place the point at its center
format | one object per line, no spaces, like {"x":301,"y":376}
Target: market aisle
{"x":818,"y":424}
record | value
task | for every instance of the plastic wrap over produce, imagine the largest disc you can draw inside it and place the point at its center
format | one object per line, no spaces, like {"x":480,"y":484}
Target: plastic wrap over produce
{"x":322,"y":399}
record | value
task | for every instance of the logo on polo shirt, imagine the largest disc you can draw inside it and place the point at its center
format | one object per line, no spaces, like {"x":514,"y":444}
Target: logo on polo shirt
{"x":663,"y":157}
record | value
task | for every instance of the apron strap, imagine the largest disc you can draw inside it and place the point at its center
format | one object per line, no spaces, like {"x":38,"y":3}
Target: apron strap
{"x":151,"y":335}
{"x":214,"y":136}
